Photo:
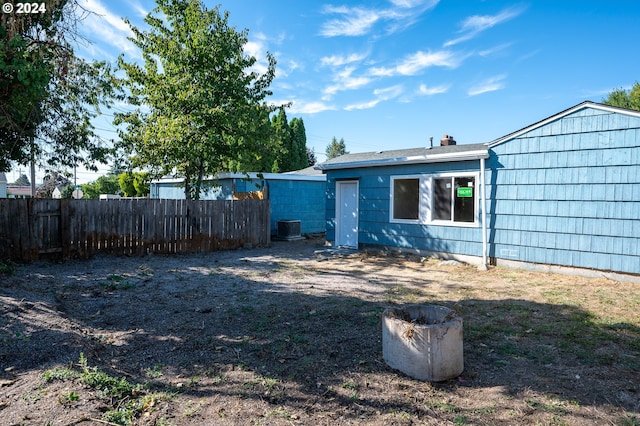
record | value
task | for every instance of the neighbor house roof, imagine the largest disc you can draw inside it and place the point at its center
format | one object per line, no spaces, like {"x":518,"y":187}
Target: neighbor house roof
{"x":3,"y":178}
{"x":19,"y":190}
{"x":308,"y":171}
{"x":580,"y":106}
{"x":436,"y":154}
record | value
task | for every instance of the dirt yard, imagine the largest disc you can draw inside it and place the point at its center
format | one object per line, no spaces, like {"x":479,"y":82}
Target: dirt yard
{"x":291,"y":335}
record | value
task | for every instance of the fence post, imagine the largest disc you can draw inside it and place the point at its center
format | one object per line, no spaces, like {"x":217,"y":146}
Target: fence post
{"x":64,"y":227}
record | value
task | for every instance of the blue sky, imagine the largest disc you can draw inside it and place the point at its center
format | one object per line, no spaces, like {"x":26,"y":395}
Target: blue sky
{"x":388,"y":74}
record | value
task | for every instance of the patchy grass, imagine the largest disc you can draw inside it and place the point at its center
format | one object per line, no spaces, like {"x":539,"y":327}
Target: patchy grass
{"x":287,"y":336}
{"x":126,"y":401}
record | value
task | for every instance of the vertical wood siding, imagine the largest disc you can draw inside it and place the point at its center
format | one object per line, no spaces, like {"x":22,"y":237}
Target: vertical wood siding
{"x":568,"y":193}
{"x":32,"y":229}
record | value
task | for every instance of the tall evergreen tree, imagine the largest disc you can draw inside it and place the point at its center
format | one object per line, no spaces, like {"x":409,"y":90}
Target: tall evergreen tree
{"x":336,"y":149}
{"x":282,"y":135}
{"x":299,"y":144}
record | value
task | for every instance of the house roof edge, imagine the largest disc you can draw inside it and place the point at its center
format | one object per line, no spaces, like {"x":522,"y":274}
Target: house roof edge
{"x":581,"y":105}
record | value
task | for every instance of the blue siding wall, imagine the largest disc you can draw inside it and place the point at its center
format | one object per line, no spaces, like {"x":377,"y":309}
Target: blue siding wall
{"x":374,"y":204}
{"x":298,"y":199}
{"x":568,"y":193}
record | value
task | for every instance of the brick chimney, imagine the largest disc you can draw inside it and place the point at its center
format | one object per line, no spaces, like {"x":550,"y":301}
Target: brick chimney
{"x":447,"y":140}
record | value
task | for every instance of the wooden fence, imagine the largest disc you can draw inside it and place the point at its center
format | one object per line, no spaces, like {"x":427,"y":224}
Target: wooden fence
{"x":32,"y":229}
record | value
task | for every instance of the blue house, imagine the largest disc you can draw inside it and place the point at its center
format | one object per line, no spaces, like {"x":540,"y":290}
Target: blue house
{"x":298,"y":195}
{"x":563,"y":191}
{"x":3,"y":185}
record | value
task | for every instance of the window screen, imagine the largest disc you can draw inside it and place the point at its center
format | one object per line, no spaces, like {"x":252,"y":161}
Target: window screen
{"x":406,"y":199}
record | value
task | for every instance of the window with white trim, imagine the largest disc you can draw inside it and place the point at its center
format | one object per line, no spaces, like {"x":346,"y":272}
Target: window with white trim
{"x":454,"y":199}
{"x":406,"y":199}
{"x":443,"y":199}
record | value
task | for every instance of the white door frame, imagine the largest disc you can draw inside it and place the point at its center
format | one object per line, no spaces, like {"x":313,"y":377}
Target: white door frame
{"x":339,"y":207}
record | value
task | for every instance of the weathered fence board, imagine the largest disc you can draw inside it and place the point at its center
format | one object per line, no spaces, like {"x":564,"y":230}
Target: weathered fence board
{"x":32,"y":229}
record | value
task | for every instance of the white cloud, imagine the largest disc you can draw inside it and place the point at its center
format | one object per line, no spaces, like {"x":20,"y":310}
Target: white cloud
{"x":338,"y":60}
{"x":389,"y":92}
{"x":382,"y":72}
{"x":141,"y":11}
{"x":383,"y":94}
{"x":364,"y":105}
{"x":421,"y":60}
{"x":416,"y":62}
{"x":355,"y":21}
{"x":303,"y":107}
{"x":428,"y":91}
{"x":359,"y":21}
{"x":106,"y":27}
{"x":293,"y":65}
{"x":474,"y":25}
{"x":413,"y":3}
{"x":495,"y":49}
{"x":490,"y":85}
{"x":345,"y":81}
{"x":257,"y":46}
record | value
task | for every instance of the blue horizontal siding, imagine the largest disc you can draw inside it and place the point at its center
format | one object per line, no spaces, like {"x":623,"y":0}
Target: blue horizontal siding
{"x":565,"y":193}
{"x":374,"y":205}
{"x":568,"y":193}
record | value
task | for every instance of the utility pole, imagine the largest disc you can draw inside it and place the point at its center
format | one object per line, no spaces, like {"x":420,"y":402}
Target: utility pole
{"x":33,"y":172}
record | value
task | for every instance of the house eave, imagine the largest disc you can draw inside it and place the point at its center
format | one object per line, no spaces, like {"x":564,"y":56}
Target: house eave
{"x":419,"y":159}
{"x":251,"y":175}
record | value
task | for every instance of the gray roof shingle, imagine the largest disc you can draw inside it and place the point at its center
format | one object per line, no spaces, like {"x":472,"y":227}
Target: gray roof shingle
{"x":407,"y":156}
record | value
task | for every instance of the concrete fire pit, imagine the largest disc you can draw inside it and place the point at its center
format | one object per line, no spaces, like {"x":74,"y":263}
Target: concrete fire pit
{"x":423,"y":341}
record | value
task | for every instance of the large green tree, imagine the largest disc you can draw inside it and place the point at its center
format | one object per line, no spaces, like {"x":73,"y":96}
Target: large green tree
{"x":336,"y":149}
{"x":106,"y":184}
{"x":134,"y":184}
{"x":288,"y":150}
{"x":201,"y":102}
{"x":48,"y":96}
{"x":623,"y":99}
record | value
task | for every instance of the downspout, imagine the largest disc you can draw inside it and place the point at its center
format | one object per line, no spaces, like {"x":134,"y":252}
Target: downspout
{"x":483,"y":195}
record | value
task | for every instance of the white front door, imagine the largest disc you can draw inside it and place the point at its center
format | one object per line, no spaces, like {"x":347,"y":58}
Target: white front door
{"x":347,"y":213}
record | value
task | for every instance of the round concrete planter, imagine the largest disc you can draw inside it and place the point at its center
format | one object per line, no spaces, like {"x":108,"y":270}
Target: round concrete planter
{"x":423,"y":341}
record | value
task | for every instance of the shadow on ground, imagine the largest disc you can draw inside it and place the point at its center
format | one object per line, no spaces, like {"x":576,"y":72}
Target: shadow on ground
{"x":226,"y":326}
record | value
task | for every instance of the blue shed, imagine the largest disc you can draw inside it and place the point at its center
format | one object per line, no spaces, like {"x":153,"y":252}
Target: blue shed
{"x":563,"y":191}
{"x":298,"y":195}
{"x":3,"y":185}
